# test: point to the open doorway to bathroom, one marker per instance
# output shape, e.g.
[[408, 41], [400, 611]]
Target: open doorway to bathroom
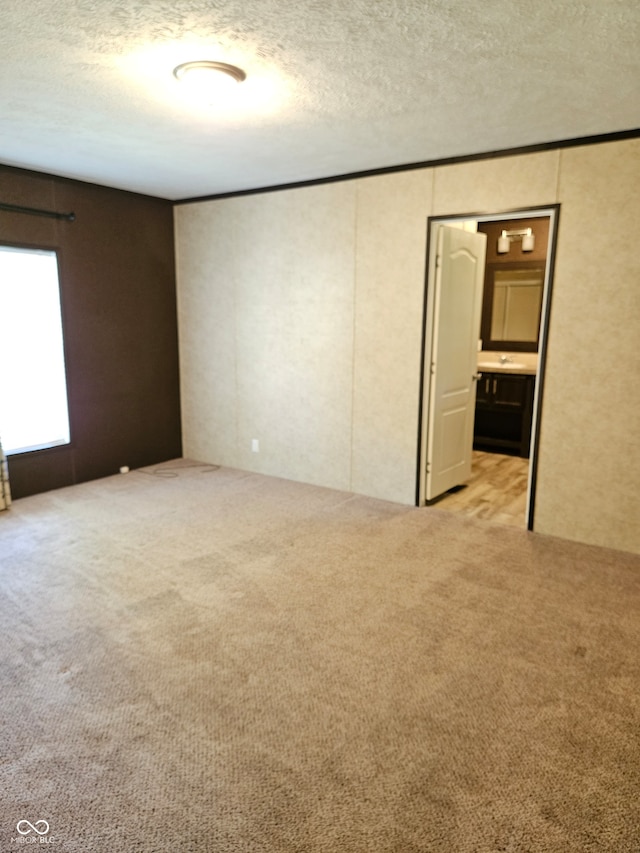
[[508, 382]]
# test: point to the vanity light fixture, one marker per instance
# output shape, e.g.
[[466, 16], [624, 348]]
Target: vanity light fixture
[[203, 73], [525, 234]]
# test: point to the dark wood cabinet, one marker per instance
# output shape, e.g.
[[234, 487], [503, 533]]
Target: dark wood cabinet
[[504, 407]]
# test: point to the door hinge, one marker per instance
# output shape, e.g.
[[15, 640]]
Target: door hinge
[[438, 261], [433, 368]]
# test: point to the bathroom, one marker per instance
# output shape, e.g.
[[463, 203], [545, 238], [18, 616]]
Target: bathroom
[[509, 333]]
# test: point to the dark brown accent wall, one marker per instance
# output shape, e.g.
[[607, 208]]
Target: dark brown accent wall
[[118, 291], [540, 228], [514, 258]]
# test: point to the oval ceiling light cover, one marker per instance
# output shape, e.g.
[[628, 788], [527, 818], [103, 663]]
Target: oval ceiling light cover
[[203, 68]]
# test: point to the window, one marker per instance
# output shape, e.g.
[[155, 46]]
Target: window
[[33, 391]]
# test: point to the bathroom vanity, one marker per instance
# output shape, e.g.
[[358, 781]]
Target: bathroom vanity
[[504, 406]]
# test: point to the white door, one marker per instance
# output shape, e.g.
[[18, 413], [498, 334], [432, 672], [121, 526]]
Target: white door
[[459, 280]]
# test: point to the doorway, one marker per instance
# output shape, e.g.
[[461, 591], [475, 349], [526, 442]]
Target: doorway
[[524, 357]]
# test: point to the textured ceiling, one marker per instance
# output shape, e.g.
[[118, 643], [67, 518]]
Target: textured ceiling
[[333, 86]]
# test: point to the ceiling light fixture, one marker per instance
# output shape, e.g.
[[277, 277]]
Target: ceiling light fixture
[[203, 70]]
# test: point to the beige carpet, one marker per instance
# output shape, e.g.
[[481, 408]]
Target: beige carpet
[[218, 661]]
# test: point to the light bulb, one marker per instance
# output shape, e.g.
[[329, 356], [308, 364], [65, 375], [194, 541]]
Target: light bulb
[[528, 241], [504, 243]]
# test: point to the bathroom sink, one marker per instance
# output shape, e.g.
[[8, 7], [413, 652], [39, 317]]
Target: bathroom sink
[[499, 365]]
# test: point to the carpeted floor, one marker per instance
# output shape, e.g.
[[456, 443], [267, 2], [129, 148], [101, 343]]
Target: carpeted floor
[[202, 659]]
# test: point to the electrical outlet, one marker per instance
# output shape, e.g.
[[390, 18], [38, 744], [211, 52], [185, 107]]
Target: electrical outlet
[[255, 445]]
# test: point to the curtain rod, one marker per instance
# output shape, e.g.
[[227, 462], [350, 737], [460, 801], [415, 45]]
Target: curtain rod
[[34, 211]]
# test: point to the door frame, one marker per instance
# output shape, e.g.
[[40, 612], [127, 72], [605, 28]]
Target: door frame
[[551, 210]]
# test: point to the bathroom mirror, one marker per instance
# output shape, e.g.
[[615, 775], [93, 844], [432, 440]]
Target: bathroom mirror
[[512, 305]]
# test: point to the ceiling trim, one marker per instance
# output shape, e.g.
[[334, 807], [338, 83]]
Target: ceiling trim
[[426, 164]]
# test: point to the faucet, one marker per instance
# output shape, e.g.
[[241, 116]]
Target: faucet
[[505, 359]]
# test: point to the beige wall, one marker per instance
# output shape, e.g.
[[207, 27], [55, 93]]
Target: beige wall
[[301, 319], [589, 478]]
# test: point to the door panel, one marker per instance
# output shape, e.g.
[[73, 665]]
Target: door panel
[[509, 391], [451, 437], [457, 306]]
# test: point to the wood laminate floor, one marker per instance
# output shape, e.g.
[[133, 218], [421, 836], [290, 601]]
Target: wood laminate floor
[[497, 490]]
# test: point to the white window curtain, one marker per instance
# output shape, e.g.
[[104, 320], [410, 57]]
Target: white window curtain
[[5, 494]]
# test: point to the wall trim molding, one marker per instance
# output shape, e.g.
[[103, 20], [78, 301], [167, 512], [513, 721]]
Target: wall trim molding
[[426, 164]]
